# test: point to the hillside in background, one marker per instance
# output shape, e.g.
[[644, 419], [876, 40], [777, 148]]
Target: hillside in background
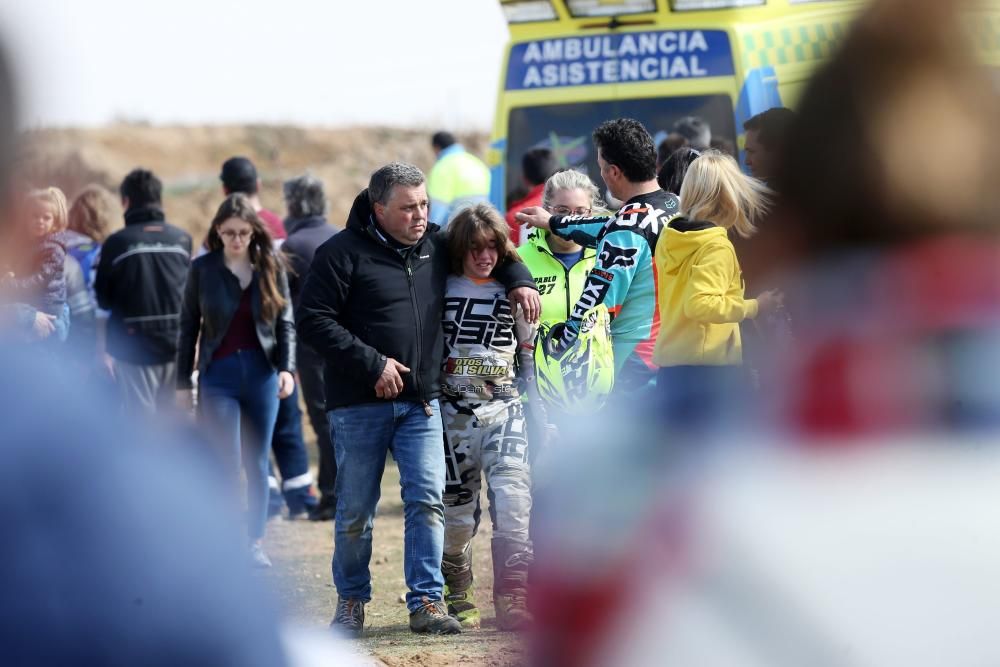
[[188, 159]]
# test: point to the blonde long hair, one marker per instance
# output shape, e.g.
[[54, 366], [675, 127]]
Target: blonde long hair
[[716, 191]]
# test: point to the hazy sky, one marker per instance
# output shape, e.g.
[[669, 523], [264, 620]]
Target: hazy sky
[[330, 62]]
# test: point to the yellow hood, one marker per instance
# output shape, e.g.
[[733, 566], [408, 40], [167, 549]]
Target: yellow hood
[[680, 246]]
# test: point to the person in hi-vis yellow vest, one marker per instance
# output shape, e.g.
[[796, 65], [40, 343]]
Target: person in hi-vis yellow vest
[[457, 180], [560, 266]]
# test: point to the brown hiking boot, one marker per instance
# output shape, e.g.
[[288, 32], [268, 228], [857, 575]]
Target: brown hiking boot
[[431, 617], [512, 611], [349, 619]]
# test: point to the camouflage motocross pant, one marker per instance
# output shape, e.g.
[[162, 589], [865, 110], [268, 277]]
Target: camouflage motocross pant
[[497, 446]]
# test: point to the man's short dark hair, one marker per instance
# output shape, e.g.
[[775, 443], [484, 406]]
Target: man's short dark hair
[[239, 175], [625, 143], [142, 188], [441, 140], [538, 164], [772, 127]]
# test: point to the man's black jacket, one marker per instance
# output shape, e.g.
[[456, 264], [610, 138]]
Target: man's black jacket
[[364, 301], [140, 279], [305, 235]]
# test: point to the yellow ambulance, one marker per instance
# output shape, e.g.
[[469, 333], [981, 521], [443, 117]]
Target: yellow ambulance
[[572, 64]]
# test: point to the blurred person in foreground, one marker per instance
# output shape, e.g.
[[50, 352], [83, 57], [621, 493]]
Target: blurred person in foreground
[[457, 180], [372, 306], [307, 229], [889, 250], [238, 314], [852, 524], [93, 580], [537, 165], [140, 282]]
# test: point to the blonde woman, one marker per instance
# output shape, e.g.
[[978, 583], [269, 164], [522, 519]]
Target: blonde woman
[[700, 291]]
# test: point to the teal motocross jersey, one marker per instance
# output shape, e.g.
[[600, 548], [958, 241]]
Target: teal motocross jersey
[[624, 277]]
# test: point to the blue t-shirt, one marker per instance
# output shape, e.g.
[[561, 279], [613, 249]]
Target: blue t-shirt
[[568, 259]]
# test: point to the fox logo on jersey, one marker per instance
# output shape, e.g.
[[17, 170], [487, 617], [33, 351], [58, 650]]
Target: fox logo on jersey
[[613, 256]]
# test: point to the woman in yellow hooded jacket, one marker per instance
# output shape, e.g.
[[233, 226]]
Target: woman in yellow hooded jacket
[[700, 291]]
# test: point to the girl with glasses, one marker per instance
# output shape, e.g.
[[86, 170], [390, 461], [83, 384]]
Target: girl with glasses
[[237, 299]]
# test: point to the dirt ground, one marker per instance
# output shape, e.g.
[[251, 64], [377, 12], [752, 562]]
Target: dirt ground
[[301, 579]]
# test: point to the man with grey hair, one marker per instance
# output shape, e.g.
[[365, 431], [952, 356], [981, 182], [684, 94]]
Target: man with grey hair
[[371, 306], [308, 229]]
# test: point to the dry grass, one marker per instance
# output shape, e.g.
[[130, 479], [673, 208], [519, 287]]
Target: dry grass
[[187, 159]]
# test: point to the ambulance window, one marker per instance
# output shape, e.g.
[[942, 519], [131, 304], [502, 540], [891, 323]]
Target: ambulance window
[[588, 8], [527, 11], [565, 129], [695, 5]]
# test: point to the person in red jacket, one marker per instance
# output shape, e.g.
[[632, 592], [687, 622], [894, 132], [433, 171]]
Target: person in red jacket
[[536, 167]]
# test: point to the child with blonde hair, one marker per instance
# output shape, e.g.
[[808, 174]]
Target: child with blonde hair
[[35, 277]]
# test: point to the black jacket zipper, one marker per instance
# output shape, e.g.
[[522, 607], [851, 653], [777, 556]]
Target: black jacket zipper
[[416, 315], [565, 274], [405, 258]]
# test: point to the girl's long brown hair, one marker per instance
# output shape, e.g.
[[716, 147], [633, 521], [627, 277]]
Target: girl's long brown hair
[[265, 261], [475, 225]]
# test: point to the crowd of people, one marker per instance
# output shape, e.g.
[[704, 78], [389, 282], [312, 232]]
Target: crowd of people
[[426, 332], [553, 367]]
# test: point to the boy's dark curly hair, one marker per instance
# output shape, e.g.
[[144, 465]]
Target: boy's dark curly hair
[[625, 143]]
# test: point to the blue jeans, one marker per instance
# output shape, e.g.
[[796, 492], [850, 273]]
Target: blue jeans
[[362, 436], [238, 399], [703, 399]]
